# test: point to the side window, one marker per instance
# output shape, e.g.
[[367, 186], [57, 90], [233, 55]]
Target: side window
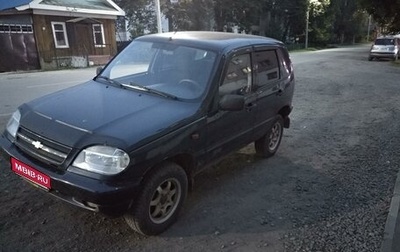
[[267, 66], [238, 78], [60, 35]]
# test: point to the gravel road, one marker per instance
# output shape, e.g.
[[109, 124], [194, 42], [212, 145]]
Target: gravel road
[[327, 189], [346, 126]]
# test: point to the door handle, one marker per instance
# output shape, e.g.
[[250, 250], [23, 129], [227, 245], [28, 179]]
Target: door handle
[[250, 106]]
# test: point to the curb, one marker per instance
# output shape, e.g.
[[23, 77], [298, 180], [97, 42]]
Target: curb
[[392, 219]]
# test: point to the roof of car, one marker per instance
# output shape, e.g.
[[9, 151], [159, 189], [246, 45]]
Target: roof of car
[[212, 40], [387, 37]]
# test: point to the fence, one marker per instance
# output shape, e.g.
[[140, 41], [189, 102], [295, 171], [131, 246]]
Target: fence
[[75, 57]]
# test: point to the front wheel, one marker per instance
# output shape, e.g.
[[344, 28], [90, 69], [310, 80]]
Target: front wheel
[[158, 205], [267, 145]]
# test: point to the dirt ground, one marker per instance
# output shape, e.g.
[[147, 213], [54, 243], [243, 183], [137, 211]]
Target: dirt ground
[[327, 189]]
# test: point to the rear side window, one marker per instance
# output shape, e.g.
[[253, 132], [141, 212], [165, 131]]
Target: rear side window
[[286, 62], [267, 66]]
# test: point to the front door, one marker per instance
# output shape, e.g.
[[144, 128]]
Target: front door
[[84, 38], [229, 130]]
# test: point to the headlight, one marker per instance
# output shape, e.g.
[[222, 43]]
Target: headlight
[[102, 159], [13, 123]]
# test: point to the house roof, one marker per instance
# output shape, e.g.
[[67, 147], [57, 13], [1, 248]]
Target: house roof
[[65, 7], [4, 5], [83, 4]]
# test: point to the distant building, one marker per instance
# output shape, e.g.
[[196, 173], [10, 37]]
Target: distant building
[[49, 34]]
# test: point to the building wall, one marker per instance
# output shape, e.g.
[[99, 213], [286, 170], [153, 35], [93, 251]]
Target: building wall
[[81, 49]]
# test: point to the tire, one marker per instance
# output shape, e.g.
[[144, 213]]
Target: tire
[[370, 58], [267, 145], [158, 205]]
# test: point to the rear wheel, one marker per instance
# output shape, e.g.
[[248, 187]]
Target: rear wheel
[[160, 201], [267, 145]]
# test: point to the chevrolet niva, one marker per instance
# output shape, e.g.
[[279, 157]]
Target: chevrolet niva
[[129, 142]]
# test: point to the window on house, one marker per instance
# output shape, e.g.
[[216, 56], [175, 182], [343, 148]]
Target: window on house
[[60, 35], [98, 35], [15, 28]]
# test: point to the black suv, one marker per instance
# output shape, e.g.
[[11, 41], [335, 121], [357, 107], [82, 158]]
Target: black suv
[[130, 141]]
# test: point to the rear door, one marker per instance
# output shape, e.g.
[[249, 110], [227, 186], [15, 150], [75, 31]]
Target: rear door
[[267, 86]]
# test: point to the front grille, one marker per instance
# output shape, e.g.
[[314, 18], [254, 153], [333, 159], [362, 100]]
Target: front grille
[[41, 148]]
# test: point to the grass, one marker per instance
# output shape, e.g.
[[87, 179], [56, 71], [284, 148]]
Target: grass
[[396, 63]]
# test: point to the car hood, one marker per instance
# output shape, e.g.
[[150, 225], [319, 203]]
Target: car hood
[[95, 113]]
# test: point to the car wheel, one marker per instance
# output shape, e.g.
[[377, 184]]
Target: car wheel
[[370, 58], [157, 207], [267, 145]]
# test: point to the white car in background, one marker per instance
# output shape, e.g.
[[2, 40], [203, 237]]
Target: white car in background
[[385, 47]]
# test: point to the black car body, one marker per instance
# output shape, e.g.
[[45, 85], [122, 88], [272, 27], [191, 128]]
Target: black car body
[[131, 140]]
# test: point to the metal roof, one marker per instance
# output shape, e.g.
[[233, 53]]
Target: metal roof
[[211, 40], [84, 4], [4, 5], [105, 7]]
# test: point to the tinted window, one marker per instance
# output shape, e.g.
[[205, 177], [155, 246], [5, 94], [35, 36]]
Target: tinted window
[[267, 66], [286, 62], [238, 76]]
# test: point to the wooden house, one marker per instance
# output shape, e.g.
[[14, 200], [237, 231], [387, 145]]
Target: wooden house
[[49, 34]]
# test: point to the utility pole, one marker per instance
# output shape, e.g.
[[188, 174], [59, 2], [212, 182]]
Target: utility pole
[[369, 27], [307, 20], [158, 13]]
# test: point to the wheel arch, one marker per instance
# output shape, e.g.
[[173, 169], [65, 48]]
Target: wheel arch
[[284, 112], [184, 160]]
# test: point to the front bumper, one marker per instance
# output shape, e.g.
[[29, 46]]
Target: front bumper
[[112, 198]]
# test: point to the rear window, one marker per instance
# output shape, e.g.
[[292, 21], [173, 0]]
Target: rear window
[[384, 41]]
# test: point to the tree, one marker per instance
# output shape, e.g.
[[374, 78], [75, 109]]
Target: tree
[[277, 19], [140, 15], [385, 12], [189, 14], [330, 21]]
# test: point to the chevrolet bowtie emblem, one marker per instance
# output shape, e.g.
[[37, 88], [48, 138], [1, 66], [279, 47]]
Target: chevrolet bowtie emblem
[[37, 144]]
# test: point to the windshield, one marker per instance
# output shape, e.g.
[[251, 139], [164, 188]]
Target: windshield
[[176, 70]]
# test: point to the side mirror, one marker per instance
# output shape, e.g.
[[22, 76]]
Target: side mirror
[[98, 70], [231, 102]]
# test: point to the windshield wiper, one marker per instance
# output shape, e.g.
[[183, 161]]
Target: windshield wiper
[[137, 87], [150, 90], [111, 81]]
